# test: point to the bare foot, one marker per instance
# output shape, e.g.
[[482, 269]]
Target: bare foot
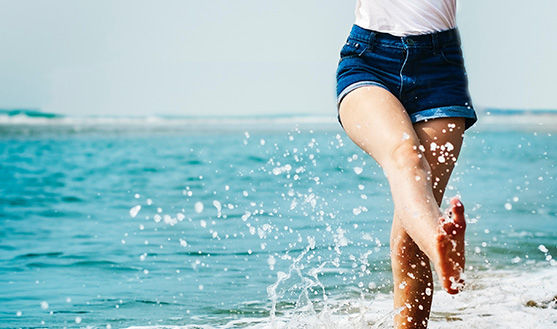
[[451, 248]]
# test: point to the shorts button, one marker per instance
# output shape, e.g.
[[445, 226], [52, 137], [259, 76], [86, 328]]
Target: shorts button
[[410, 42]]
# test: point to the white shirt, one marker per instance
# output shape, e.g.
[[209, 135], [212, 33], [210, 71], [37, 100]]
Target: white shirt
[[406, 17]]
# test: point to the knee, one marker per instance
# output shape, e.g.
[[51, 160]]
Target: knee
[[408, 156]]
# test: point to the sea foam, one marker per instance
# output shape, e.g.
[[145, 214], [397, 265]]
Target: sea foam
[[492, 299]]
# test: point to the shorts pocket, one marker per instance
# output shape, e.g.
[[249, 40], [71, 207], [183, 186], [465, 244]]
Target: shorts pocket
[[351, 48], [453, 55]]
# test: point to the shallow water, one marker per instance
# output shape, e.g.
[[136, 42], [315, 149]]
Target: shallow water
[[249, 226]]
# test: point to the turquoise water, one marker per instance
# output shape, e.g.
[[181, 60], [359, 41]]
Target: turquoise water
[[238, 225]]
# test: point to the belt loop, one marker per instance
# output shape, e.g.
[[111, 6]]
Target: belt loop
[[369, 45], [371, 40], [435, 43]]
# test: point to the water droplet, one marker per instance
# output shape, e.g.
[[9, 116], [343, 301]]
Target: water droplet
[[358, 170], [217, 205], [198, 207], [169, 220], [271, 261], [508, 206], [134, 211]]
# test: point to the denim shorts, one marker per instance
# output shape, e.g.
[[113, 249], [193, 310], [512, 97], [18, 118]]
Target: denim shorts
[[425, 72]]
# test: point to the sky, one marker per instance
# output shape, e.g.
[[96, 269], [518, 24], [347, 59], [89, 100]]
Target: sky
[[240, 57]]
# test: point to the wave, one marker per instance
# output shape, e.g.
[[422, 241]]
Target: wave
[[25, 113], [493, 299], [517, 119], [503, 111], [29, 118], [22, 119]]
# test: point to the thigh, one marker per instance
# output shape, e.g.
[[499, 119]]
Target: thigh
[[441, 140], [378, 123]]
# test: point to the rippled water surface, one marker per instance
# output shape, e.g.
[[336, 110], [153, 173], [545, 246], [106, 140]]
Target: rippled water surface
[[131, 226]]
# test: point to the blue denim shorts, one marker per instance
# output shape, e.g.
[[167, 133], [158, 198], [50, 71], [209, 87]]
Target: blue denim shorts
[[425, 72]]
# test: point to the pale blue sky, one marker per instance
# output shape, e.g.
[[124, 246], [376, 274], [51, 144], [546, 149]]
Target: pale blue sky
[[240, 57]]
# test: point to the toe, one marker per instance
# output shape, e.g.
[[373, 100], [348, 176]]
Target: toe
[[458, 211]]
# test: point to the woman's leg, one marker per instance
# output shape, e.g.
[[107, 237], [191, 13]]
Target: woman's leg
[[376, 121], [442, 140]]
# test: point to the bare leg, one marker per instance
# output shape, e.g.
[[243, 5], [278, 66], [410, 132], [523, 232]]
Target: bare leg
[[411, 270], [376, 121], [412, 278], [442, 139]]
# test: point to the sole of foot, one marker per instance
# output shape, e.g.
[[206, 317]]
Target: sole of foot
[[450, 243]]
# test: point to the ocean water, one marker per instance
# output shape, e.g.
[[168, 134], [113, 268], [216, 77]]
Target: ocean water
[[260, 223]]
